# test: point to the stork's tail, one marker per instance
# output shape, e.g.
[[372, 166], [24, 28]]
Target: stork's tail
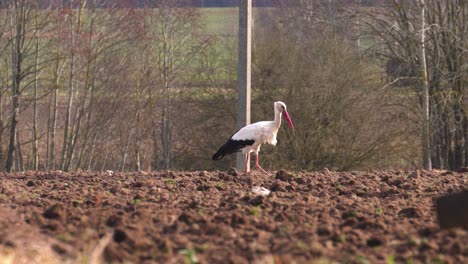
[[218, 155]]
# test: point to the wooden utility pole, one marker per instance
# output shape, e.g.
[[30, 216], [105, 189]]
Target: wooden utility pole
[[243, 70]]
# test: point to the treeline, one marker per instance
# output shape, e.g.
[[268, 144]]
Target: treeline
[[145, 89], [424, 44], [147, 3]]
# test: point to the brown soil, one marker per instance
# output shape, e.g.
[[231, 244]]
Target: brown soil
[[212, 217]]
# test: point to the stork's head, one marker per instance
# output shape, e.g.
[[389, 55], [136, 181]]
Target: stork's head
[[281, 107]]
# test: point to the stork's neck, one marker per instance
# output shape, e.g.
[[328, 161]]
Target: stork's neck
[[277, 121]]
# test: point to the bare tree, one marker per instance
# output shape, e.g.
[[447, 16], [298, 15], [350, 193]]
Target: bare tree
[[75, 29], [4, 74], [21, 17], [178, 38], [426, 136], [58, 67], [441, 48]]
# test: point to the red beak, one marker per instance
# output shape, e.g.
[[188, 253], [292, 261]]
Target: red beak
[[288, 119]]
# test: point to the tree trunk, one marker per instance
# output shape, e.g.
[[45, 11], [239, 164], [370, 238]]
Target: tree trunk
[[2, 126], [125, 152], [53, 102], [155, 156], [165, 139], [459, 155], [82, 106], [106, 149], [446, 140], [15, 88], [91, 154], [12, 144], [137, 157], [426, 136], [34, 128], [19, 154], [71, 80], [465, 129], [138, 139]]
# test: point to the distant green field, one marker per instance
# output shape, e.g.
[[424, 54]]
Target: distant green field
[[220, 21], [225, 21]]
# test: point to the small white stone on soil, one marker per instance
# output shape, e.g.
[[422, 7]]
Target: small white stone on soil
[[260, 190]]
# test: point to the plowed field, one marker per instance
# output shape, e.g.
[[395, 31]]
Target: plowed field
[[213, 217]]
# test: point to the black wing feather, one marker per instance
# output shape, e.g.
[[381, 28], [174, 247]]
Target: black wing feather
[[232, 146]]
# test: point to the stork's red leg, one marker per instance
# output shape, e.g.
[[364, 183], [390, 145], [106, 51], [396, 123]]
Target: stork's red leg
[[258, 165], [247, 161]]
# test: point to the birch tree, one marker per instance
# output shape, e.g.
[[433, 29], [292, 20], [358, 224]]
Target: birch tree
[[426, 136], [424, 46], [178, 39], [21, 18], [58, 62], [75, 29]]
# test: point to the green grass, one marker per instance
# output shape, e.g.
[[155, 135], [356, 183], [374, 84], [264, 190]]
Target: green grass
[[190, 256], [378, 210], [256, 211], [220, 21], [136, 202], [225, 21], [170, 181]]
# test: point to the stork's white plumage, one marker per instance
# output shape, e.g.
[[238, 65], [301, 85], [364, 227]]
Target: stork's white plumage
[[249, 138]]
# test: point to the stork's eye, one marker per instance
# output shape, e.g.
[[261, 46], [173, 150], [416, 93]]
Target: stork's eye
[[282, 107]]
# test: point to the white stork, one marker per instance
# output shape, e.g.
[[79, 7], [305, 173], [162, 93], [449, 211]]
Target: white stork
[[249, 138]]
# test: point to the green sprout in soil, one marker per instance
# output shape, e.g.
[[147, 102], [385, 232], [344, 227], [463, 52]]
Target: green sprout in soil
[[256, 211], [170, 181], [77, 203], [220, 184], [324, 261], [437, 260], [363, 260], [301, 245], [378, 210], [136, 202], [200, 212], [283, 231], [338, 186], [64, 236], [350, 214], [190, 255], [391, 259], [295, 176], [339, 238]]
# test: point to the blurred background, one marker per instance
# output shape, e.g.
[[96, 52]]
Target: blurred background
[[151, 85]]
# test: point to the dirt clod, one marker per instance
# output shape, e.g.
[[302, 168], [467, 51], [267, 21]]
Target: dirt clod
[[233, 172], [119, 236], [30, 183], [410, 212], [283, 175], [415, 175], [56, 211], [114, 220], [257, 200], [374, 242]]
